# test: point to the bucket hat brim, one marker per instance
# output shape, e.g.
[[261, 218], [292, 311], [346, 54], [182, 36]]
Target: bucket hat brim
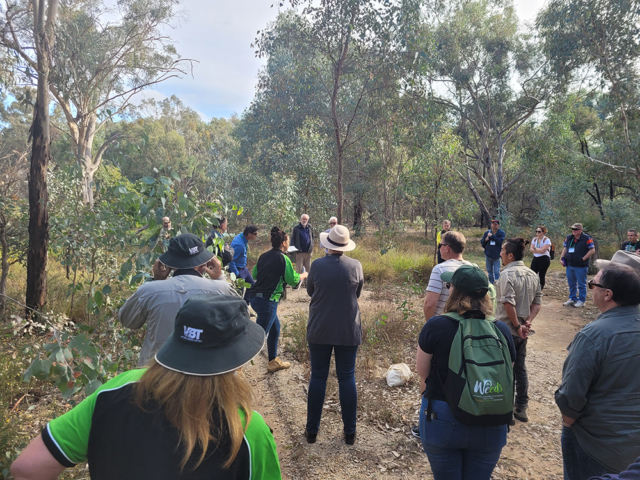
[[324, 240], [171, 260], [206, 362]]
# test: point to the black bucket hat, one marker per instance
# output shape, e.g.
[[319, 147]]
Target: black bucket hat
[[185, 251], [212, 335], [469, 279]]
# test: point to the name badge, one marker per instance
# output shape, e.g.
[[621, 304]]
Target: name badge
[[572, 250], [492, 243]]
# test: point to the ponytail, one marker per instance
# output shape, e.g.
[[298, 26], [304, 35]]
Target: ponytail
[[516, 247], [278, 237]]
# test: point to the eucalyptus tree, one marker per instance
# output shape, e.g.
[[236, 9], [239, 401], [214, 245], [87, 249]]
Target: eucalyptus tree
[[336, 52], [490, 76], [35, 23], [98, 65], [602, 38]]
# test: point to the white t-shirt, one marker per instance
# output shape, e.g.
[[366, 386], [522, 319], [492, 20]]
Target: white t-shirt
[[539, 244], [438, 286]]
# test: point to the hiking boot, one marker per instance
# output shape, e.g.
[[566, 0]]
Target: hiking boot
[[578, 304], [350, 438], [521, 414], [569, 303], [311, 437], [277, 364], [415, 431]]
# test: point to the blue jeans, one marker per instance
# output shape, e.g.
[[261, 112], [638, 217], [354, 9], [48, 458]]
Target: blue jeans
[[493, 268], [577, 280], [245, 274], [345, 370], [457, 451], [576, 463], [268, 319]]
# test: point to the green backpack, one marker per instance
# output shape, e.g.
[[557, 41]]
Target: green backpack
[[479, 387]]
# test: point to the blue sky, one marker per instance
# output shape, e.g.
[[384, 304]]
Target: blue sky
[[218, 34]]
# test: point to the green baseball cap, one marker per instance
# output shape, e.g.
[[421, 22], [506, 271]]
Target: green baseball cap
[[469, 279]]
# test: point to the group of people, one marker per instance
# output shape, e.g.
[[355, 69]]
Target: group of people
[[190, 390]]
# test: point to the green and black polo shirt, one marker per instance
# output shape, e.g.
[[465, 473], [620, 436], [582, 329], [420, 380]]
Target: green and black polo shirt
[[272, 272], [123, 442]]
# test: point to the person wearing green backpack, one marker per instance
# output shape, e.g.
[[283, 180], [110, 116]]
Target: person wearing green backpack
[[465, 363]]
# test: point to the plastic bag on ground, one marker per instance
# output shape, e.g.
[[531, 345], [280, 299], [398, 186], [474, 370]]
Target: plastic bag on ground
[[398, 374]]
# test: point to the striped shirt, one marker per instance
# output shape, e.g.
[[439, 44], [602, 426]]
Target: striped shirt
[[437, 285]]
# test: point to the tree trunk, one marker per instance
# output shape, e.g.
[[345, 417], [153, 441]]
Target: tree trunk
[[5, 269], [36, 294], [357, 213]]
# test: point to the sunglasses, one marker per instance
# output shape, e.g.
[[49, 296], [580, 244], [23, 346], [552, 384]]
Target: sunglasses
[[592, 284], [538, 231], [576, 229], [448, 285], [444, 245]]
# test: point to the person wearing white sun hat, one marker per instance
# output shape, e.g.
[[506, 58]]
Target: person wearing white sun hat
[[334, 284]]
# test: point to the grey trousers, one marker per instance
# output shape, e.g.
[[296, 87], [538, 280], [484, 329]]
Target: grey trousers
[[303, 260]]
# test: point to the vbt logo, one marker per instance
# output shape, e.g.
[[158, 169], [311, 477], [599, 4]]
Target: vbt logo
[[485, 387], [192, 334]]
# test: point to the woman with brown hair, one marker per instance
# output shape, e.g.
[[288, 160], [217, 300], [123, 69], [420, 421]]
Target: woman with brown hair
[[541, 249], [188, 416], [455, 449]]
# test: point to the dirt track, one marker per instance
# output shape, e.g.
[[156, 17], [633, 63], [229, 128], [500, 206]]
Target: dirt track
[[389, 451]]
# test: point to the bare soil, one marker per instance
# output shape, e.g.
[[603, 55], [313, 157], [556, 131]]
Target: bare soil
[[384, 446]]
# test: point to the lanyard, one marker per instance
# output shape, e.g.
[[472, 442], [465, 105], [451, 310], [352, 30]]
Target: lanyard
[[573, 241], [538, 244]]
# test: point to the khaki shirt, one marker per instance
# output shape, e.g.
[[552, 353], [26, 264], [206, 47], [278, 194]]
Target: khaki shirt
[[519, 286]]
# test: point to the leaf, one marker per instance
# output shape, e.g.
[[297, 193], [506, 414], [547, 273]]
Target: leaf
[[98, 298], [240, 210], [106, 290], [175, 176], [92, 387], [148, 180]]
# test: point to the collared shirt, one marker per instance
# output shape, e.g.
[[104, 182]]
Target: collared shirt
[[157, 303], [580, 248], [493, 251], [601, 387], [519, 286], [239, 245]]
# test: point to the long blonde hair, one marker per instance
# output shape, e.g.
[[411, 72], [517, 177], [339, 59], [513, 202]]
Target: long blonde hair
[[460, 302], [188, 402]]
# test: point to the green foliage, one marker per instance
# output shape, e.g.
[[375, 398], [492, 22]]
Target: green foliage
[[621, 214]]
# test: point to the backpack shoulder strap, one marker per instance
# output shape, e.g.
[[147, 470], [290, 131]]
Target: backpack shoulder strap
[[454, 316]]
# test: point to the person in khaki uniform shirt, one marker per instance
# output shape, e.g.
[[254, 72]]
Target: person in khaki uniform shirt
[[519, 300]]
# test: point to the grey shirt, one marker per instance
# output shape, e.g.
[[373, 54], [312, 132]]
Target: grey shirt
[[157, 303], [601, 387], [334, 285]]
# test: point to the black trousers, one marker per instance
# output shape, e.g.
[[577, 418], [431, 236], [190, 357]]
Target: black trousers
[[520, 372], [540, 265]]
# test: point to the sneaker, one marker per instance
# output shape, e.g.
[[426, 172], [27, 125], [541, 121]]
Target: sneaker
[[277, 364], [415, 431], [512, 422], [521, 414], [569, 303], [578, 304]]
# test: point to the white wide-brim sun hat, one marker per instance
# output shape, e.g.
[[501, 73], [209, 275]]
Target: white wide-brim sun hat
[[337, 239], [626, 258]]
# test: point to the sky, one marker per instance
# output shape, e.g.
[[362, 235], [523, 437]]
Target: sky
[[218, 33]]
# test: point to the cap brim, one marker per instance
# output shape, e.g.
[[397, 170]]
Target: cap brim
[[324, 240], [175, 261], [181, 358], [447, 276]]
